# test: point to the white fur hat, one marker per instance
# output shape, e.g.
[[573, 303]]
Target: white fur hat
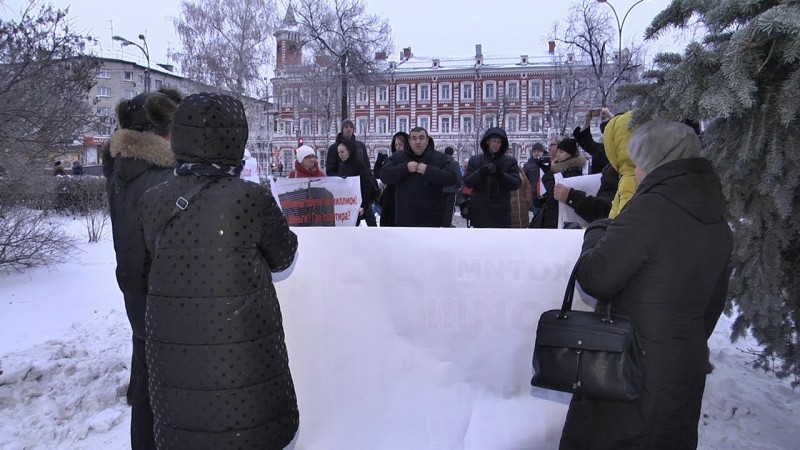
[[304, 151]]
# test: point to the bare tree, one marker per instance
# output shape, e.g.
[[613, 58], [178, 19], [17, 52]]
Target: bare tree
[[227, 44], [45, 81], [28, 239], [590, 34], [342, 33], [570, 87]]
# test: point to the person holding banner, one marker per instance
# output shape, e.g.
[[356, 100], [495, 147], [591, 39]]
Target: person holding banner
[[351, 166], [420, 174], [219, 369], [567, 161], [306, 164]]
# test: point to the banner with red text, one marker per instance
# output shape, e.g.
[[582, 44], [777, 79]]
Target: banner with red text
[[321, 202]]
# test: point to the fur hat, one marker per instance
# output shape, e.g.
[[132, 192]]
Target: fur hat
[[537, 147], [660, 141], [151, 111], [569, 146], [346, 122], [305, 151]]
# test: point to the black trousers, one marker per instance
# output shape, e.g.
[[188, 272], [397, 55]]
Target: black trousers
[[369, 216], [142, 437], [449, 208]]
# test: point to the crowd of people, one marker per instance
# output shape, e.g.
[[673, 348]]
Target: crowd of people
[[196, 245]]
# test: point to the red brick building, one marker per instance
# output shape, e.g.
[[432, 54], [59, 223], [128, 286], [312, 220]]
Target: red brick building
[[455, 99]]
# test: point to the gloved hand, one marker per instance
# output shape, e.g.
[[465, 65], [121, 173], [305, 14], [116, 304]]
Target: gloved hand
[[489, 168]]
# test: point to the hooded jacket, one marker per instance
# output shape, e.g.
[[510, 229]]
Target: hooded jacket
[[664, 263], [387, 199], [135, 162], [615, 140], [332, 160], [219, 370], [419, 198], [490, 201]]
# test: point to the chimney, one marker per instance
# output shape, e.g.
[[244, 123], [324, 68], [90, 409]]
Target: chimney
[[551, 47], [523, 60], [435, 63], [381, 56], [478, 51], [406, 52]]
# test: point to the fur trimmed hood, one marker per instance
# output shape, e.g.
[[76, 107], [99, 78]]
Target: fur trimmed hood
[[143, 145], [576, 162]]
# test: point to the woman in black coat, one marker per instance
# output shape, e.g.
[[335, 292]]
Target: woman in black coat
[[399, 143], [350, 166], [567, 161], [663, 262], [219, 370]]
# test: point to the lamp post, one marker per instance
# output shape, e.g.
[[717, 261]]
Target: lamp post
[[620, 25], [124, 42]]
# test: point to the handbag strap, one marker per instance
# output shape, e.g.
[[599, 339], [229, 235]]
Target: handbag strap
[[181, 204], [566, 305]]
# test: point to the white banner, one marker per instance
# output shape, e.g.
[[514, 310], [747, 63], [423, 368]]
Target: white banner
[[250, 170], [404, 338], [328, 201], [586, 183]]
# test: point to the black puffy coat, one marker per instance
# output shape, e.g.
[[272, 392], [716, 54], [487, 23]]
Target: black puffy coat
[[219, 370], [355, 167], [419, 198], [548, 215], [490, 201], [137, 161], [664, 263], [332, 159]]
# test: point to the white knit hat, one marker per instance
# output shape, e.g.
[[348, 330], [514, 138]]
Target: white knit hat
[[304, 151]]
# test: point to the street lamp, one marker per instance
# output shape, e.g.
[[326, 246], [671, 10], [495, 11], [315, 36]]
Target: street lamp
[[619, 30], [124, 42]]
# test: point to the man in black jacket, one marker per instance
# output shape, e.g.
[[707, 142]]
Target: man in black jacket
[[332, 161], [420, 174], [492, 176], [139, 157]]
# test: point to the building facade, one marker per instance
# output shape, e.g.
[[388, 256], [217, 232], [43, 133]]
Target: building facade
[[455, 99], [120, 78]]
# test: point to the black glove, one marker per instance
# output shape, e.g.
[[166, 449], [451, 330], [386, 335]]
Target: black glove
[[489, 168]]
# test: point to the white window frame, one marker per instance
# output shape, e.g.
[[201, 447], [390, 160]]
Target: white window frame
[[486, 90], [382, 125], [382, 94], [402, 124], [323, 126], [362, 126], [424, 122], [287, 97], [362, 95], [128, 75], [445, 124], [426, 89], [305, 96], [515, 95], [488, 121], [512, 119], [535, 122], [471, 90], [535, 89], [129, 94], [159, 84], [403, 89], [103, 91], [103, 72], [445, 88], [305, 127], [555, 86], [467, 119]]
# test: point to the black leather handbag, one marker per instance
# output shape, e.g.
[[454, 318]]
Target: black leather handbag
[[587, 353]]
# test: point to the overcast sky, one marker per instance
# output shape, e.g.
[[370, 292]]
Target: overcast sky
[[435, 28]]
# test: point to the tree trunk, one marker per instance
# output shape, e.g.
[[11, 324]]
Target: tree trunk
[[343, 73]]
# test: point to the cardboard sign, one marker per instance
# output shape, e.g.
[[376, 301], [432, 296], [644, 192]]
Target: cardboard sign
[[322, 202]]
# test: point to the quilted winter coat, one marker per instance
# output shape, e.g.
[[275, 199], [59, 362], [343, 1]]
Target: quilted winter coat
[[615, 139], [219, 370]]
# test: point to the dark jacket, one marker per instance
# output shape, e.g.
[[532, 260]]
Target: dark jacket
[[219, 370], [419, 198], [547, 217], [664, 263], [590, 207], [355, 167], [491, 198], [332, 160], [136, 161], [595, 149], [387, 198]]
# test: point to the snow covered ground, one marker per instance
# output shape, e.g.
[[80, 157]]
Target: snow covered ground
[[64, 356]]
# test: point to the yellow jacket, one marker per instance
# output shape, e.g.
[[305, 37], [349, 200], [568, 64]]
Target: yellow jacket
[[615, 140]]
